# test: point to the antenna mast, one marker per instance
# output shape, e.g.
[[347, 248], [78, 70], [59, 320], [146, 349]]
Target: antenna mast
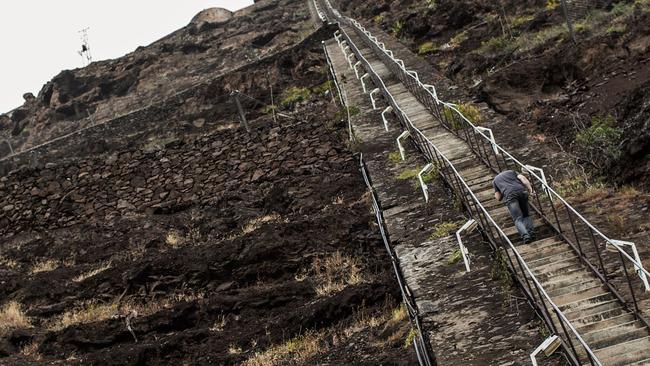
[[85, 54]]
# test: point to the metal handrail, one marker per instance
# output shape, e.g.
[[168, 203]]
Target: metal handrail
[[423, 352], [501, 149], [434, 107], [463, 191], [319, 12]]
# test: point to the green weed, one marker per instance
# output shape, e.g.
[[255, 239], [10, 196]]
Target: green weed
[[426, 48], [294, 95], [552, 4], [454, 257], [324, 87], [395, 156], [444, 229], [458, 39], [397, 28], [600, 141], [500, 45], [408, 342], [408, 174], [500, 272], [520, 20]]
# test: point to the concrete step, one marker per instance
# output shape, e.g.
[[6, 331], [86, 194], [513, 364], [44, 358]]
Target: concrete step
[[551, 276], [536, 245], [625, 353], [645, 362], [587, 302], [560, 255], [592, 309], [615, 334], [479, 182], [559, 268], [604, 322], [579, 295], [551, 248], [566, 280], [574, 287], [599, 317]]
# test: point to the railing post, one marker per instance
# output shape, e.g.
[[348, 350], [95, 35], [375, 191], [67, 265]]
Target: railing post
[[638, 268], [372, 99], [350, 58], [490, 137], [383, 116], [356, 72], [363, 83], [423, 184], [468, 227], [399, 143], [242, 115]]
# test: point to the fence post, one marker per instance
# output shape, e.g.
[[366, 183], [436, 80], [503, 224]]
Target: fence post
[[567, 16], [11, 149], [242, 116]]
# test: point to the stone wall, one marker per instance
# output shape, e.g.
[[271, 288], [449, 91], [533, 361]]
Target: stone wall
[[137, 182]]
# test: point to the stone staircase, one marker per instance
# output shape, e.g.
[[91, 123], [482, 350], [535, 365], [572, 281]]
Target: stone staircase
[[607, 326]]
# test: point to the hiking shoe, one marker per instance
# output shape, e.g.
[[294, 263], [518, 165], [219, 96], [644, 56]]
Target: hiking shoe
[[527, 239]]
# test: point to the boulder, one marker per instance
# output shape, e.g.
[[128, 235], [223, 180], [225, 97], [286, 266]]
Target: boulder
[[212, 15]]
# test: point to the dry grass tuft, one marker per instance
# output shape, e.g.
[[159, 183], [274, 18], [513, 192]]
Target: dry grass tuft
[[45, 266], [219, 325], [629, 192], [234, 349], [153, 307], [93, 311], [88, 312], [255, 224], [332, 274], [31, 351], [8, 262], [93, 272], [295, 351], [12, 317], [174, 238], [399, 314]]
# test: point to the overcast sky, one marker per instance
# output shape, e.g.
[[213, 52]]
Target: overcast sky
[[39, 38]]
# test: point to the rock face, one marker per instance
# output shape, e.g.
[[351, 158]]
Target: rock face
[[210, 45], [212, 15]]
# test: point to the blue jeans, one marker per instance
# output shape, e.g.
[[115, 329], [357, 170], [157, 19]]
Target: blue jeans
[[517, 203]]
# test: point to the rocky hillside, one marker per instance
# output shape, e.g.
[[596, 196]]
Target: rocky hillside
[[176, 237], [212, 44], [518, 57]]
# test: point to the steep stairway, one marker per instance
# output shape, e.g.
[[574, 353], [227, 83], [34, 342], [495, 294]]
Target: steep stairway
[[607, 326]]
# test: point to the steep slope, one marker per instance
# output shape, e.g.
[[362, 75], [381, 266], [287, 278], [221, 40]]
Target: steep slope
[[204, 49], [178, 238], [518, 57]]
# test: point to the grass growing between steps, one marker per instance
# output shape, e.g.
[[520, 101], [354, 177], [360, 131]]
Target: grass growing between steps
[[408, 174], [454, 257], [394, 157], [443, 229]]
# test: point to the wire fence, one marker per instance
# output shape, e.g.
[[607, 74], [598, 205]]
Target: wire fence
[[421, 341], [574, 10]]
